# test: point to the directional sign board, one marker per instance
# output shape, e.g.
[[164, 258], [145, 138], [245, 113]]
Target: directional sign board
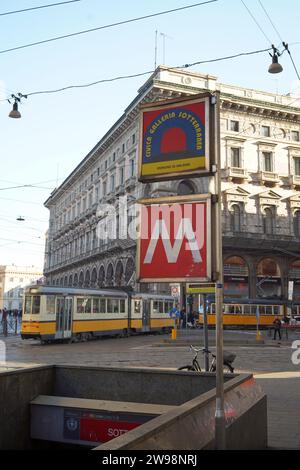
[[200, 288], [175, 243], [174, 139]]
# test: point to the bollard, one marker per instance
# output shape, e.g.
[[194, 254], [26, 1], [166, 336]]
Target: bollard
[[174, 334], [258, 336]]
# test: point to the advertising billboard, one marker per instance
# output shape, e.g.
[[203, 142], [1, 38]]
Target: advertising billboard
[[174, 243], [174, 138]]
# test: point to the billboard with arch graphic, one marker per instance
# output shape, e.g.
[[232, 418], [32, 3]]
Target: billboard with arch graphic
[[175, 138]]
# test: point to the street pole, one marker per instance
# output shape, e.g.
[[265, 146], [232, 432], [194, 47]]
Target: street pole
[[205, 326], [220, 440]]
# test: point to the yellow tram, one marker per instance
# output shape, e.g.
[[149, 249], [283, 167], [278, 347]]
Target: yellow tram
[[244, 314], [62, 313]]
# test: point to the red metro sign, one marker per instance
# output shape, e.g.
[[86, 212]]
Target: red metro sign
[[174, 242]]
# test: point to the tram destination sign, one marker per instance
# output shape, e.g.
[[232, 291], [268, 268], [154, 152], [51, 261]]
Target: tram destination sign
[[174, 243], [175, 138]]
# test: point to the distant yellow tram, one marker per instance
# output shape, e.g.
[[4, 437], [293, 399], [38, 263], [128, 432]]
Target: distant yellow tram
[[62, 313], [253, 313]]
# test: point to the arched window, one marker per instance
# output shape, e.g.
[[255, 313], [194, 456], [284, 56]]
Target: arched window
[[94, 278], [81, 279], [268, 279], [297, 224], [87, 279], [101, 276], [75, 282], [236, 218], [268, 221], [129, 270], [70, 280], [110, 275], [119, 274], [185, 187]]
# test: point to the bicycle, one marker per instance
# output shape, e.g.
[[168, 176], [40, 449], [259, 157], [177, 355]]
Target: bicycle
[[228, 359]]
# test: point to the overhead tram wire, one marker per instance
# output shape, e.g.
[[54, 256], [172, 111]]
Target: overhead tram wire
[[272, 23], [119, 23], [148, 72], [38, 8], [256, 22]]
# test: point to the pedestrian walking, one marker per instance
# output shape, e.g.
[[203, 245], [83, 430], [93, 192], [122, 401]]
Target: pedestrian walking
[[183, 317], [277, 327], [4, 321]]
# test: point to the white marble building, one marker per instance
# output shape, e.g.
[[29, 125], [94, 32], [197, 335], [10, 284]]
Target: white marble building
[[260, 153]]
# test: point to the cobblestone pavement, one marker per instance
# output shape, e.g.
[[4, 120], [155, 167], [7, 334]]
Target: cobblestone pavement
[[271, 363]]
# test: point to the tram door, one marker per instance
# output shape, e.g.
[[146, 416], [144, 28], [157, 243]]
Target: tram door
[[64, 309], [146, 315]]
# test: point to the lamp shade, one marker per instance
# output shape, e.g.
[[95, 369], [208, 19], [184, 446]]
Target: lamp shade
[[14, 112], [275, 67]]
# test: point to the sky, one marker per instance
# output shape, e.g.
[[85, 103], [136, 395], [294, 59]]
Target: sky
[[57, 130]]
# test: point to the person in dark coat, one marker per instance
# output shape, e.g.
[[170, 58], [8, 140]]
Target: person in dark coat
[[277, 327]]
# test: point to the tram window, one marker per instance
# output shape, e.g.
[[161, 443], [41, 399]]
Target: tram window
[[262, 310], [276, 309], [88, 306], [50, 304], [36, 300], [155, 306], [247, 309], [102, 305], [122, 306], [170, 306], [96, 305], [28, 304], [137, 306], [115, 305], [269, 310], [81, 303], [161, 307], [166, 307], [112, 306]]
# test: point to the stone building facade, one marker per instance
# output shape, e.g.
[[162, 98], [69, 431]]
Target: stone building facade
[[260, 157], [13, 280]]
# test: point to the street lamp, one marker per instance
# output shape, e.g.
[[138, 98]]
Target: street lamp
[[275, 67], [15, 113]]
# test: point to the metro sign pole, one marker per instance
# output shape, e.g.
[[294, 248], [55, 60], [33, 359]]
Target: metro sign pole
[[220, 438], [181, 238]]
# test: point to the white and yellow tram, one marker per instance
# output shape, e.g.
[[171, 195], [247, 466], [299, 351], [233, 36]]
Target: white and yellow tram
[[62, 313]]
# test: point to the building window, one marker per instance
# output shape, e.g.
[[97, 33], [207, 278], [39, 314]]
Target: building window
[[265, 131], [104, 188], [133, 139], [297, 224], [297, 166], [114, 156], [112, 183], [295, 136], [236, 218], [234, 126], [122, 175], [105, 165], [123, 148], [268, 221], [267, 161], [131, 168], [236, 157], [185, 188]]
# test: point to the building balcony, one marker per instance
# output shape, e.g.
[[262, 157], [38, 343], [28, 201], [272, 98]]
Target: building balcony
[[268, 177], [236, 172], [294, 180]]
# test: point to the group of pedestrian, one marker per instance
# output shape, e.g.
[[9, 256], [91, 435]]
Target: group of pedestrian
[[183, 319]]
